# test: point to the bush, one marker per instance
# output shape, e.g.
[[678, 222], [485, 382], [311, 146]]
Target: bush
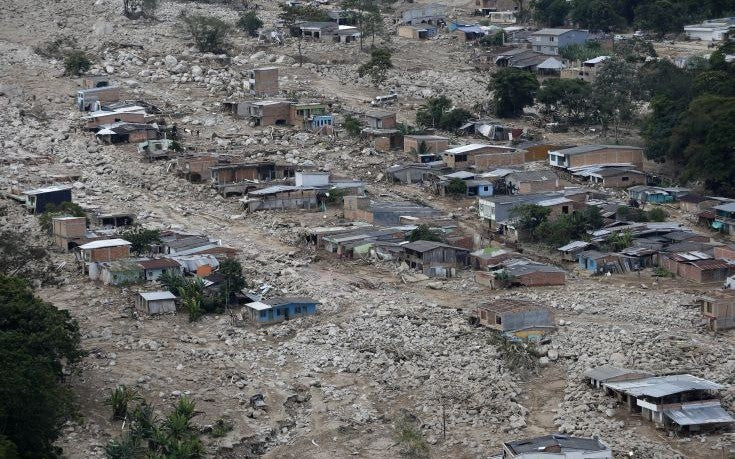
[[76, 63], [119, 400], [141, 239], [657, 214], [378, 65], [250, 23], [352, 126], [65, 209], [424, 232], [221, 428], [409, 436], [457, 187], [210, 33]]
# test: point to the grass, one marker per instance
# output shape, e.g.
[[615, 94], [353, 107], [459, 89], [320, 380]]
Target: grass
[[410, 438]]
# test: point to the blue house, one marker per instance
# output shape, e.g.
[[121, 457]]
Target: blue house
[[643, 193], [278, 309], [598, 262], [37, 200]]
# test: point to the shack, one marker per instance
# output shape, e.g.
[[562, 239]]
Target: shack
[[279, 309], [522, 319], [37, 200], [425, 256], [156, 302]]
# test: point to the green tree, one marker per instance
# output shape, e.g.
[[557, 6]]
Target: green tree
[[528, 217], [352, 126], [292, 15], [39, 344], [657, 214], [378, 65], [570, 99], [616, 90], [581, 52], [367, 15], [457, 187], [423, 149], [234, 281], [172, 281], [210, 33], [513, 89], [141, 239], [250, 23], [424, 232], [597, 15], [618, 241], [568, 227], [76, 63], [431, 112], [191, 293], [660, 16], [551, 13], [65, 209]]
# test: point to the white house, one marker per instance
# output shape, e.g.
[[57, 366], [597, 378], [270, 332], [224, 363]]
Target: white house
[[711, 30]]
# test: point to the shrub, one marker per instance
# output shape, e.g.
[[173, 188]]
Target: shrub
[[457, 187], [410, 437], [210, 33], [76, 63], [119, 400], [657, 214], [65, 209], [352, 125], [424, 232], [378, 65], [250, 23], [221, 428]]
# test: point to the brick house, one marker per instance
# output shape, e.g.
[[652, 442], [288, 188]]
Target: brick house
[[589, 155], [434, 143], [718, 309], [263, 81], [520, 318], [68, 232]]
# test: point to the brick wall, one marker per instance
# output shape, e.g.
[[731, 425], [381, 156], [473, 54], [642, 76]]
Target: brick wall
[[110, 253], [490, 160], [607, 156], [434, 146], [542, 278]]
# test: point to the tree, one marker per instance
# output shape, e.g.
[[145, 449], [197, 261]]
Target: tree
[[21, 257], [513, 89], [570, 98], [657, 214], [568, 227], [38, 345], [234, 281], [424, 232], [141, 239], [76, 63], [615, 91], [436, 112], [378, 65], [367, 15], [135, 9], [581, 52], [597, 15], [172, 281], [291, 15], [352, 126], [457, 187], [551, 13], [250, 23], [618, 241], [529, 216], [65, 209], [191, 293], [209, 33]]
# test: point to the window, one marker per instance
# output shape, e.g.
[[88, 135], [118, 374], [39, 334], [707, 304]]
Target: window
[[498, 320], [625, 179], [709, 307], [565, 209], [551, 38], [297, 310], [262, 314]]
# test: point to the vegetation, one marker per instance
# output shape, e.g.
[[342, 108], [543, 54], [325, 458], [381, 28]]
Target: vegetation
[[291, 15], [210, 33], [250, 23], [65, 209], [618, 241], [532, 222], [221, 428], [436, 112], [191, 293], [581, 52], [21, 258], [119, 400], [550, 13], [497, 39], [76, 63], [233, 281], [409, 436], [570, 100], [141, 239], [367, 15], [457, 187], [352, 126], [423, 149], [634, 214], [615, 91], [39, 344], [424, 232], [378, 65], [135, 9], [513, 89], [147, 436], [528, 217]]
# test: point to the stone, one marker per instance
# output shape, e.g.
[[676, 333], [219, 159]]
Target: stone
[[170, 61]]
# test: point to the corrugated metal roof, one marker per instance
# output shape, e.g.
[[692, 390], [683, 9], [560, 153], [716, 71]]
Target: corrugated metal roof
[[710, 412], [573, 246], [104, 243], [153, 296], [662, 386], [606, 372]]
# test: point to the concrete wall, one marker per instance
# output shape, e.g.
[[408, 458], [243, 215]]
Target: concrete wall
[[491, 160], [266, 81], [434, 146], [542, 278], [608, 156]]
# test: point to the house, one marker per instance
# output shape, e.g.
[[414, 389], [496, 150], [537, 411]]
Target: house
[[124, 132], [104, 250], [196, 167], [317, 30], [718, 309], [504, 17], [522, 319], [610, 176], [155, 302], [538, 150], [125, 113], [69, 232], [263, 81], [414, 172], [499, 157], [472, 32], [725, 218], [489, 257], [464, 156], [36, 200], [711, 30], [698, 267], [473, 186], [311, 116], [91, 99], [539, 63], [238, 178], [281, 197], [555, 446], [550, 41], [156, 148], [486, 7], [201, 264], [492, 129], [266, 112], [154, 267], [279, 309], [589, 155], [608, 373], [586, 70], [527, 182], [496, 210], [598, 262], [416, 32], [381, 119], [730, 283], [652, 194], [383, 212], [96, 81], [433, 258], [432, 143], [679, 402], [570, 251], [346, 34], [695, 203], [120, 272], [432, 13], [529, 273]]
